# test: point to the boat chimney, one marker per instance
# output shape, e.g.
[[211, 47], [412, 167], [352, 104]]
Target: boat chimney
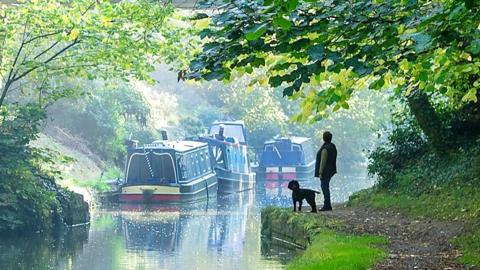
[[131, 143], [220, 131], [164, 135]]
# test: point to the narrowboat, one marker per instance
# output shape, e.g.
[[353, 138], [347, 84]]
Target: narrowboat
[[229, 156], [168, 171], [286, 159]]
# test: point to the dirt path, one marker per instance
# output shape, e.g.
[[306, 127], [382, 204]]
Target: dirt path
[[413, 243]]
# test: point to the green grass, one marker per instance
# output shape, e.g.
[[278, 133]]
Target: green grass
[[330, 250], [98, 184]]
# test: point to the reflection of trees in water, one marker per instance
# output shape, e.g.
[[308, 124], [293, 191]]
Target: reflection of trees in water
[[42, 250]]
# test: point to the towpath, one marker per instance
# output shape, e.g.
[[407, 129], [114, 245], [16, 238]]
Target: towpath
[[413, 243]]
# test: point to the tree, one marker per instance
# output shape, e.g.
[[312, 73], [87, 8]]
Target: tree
[[323, 51], [42, 41]]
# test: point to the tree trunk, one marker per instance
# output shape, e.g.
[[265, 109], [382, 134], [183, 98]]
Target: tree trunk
[[428, 119]]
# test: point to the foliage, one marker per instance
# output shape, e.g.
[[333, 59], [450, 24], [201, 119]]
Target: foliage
[[193, 126], [19, 171], [46, 40], [322, 51], [405, 144], [267, 114], [105, 117], [30, 200]]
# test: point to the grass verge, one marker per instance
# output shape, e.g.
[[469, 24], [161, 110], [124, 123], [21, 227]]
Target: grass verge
[[331, 250], [328, 249]]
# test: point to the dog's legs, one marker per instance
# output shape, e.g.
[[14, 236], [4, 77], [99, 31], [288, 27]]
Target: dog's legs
[[313, 205], [300, 206], [294, 206]]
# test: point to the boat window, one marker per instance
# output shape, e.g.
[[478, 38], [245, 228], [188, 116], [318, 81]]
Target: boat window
[[153, 168], [204, 161], [207, 160], [296, 147], [189, 165], [268, 147], [197, 164], [219, 155]]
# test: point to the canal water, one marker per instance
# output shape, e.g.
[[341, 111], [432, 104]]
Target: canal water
[[222, 233]]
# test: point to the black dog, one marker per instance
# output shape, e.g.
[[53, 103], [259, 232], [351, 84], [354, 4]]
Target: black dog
[[299, 194]]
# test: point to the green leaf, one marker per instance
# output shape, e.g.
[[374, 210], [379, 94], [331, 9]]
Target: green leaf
[[316, 52], [256, 32], [423, 76], [282, 23], [275, 81], [474, 47], [378, 84], [292, 5], [471, 95]]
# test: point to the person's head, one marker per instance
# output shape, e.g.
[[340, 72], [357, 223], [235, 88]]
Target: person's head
[[327, 137]]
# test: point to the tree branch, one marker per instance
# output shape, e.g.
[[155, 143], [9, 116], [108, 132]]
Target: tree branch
[[46, 50], [76, 41], [43, 36]]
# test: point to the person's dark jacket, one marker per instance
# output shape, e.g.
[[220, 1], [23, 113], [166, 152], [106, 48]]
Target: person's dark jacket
[[331, 164]]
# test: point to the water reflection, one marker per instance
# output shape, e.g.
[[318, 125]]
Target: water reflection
[[219, 234], [41, 251]]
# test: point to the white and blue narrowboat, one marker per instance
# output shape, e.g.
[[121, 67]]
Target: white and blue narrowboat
[[286, 159], [229, 155], [168, 171]]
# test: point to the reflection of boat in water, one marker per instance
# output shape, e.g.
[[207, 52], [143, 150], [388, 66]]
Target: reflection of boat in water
[[229, 228], [229, 154], [159, 231], [286, 159], [168, 171], [273, 193]]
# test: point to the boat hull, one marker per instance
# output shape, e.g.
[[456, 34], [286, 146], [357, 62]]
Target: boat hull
[[232, 182], [202, 189], [285, 173]]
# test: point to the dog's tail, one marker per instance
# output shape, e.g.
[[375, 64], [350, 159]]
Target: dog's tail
[[318, 192]]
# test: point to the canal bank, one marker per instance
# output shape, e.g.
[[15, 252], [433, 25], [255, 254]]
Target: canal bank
[[325, 243], [359, 236]]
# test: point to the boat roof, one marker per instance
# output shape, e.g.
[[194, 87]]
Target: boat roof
[[180, 146], [236, 122], [293, 139]]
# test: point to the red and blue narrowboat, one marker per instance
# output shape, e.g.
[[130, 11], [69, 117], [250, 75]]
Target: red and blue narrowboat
[[286, 159]]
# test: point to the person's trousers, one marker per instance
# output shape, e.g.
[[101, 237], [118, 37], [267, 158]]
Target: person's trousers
[[325, 184]]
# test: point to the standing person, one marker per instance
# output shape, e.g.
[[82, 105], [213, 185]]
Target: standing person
[[326, 167]]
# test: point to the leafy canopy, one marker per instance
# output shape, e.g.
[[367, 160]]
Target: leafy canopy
[[330, 48], [42, 41]]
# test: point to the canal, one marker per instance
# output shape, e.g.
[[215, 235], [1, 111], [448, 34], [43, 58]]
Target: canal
[[223, 233]]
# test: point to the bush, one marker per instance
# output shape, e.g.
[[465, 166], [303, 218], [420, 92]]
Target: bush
[[405, 145], [105, 119], [29, 197]]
